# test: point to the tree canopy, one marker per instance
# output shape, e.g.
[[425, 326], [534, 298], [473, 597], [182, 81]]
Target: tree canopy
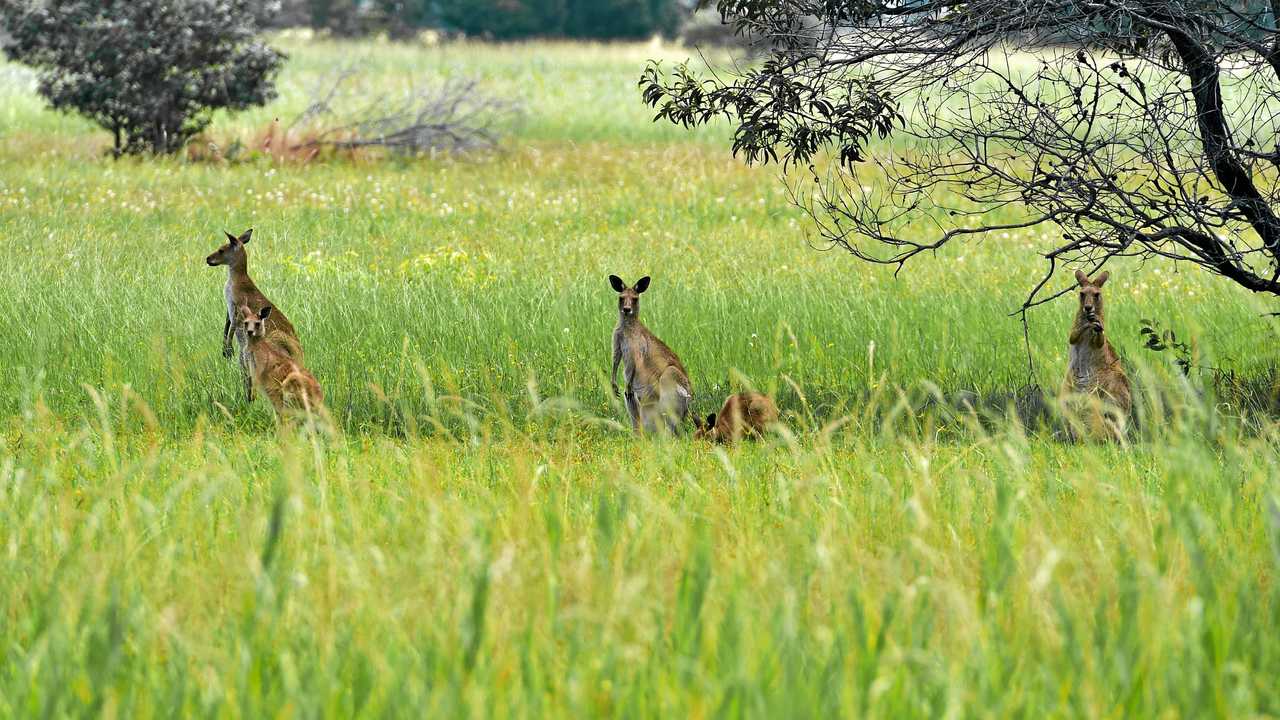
[[1135, 127], [496, 19]]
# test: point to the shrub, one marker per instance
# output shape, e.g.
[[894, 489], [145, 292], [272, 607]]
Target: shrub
[[504, 19], [280, 14], [341, 18], [619, 19], [705, 28], [149, 71], [595, 19]]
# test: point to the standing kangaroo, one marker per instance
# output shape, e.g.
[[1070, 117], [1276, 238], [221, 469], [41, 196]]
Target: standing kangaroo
[[657, 384], [241, 290], [747, 414], [1094, 369], [286, 383]]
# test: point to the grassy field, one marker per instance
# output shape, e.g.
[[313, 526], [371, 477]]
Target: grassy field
[[484, 537]]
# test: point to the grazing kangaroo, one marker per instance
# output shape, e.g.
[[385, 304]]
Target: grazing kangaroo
[[286, 383], [241, 290], [1094, 369], [746, 414], [657, 384]]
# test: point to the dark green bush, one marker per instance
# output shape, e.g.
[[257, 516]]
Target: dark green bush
[[586, 19], [149, 71]]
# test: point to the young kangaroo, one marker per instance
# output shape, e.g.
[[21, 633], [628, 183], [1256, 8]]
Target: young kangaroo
[[657, 384], [1094, 369], [746, 414], [286, 383], [241, 290]]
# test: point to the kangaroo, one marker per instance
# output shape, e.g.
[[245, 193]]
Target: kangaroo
[[1094, 369], [657, 384], [746, 414], [286, 383], [241, 290]]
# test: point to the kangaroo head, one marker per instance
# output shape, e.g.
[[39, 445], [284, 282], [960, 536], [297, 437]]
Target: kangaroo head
[[1091, 293], [629, 297], [233, 252], [254, 324], [706, 431]]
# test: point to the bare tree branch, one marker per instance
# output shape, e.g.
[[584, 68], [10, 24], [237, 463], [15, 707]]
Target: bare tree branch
[[1137, 128], [453, 117]]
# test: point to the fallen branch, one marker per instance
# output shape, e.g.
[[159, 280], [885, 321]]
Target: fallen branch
[[455, 117]]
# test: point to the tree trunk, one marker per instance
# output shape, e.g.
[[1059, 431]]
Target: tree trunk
[[1215, 137]]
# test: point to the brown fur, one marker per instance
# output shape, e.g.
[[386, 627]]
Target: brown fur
[[657, 386], [287, 384], [1094, 370], [745, 415], [241, 290]]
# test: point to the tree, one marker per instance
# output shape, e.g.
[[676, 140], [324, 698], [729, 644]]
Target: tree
[[1153, 133], [403, 19], [619, 19], [594, 19], [149, 71], [278, 14], [504, 19], [342, 18]]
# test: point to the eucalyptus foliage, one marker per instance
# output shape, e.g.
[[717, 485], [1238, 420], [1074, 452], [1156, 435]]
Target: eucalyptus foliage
[[1141, 128]]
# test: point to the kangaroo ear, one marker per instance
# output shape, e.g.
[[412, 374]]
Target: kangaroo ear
[[616, 282], [231, 238], [1082, 278], [244, 239], [1102, 279], [642, 284], [711, 421], [265, 312]]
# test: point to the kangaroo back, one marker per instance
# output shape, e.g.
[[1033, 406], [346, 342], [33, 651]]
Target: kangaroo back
[[661, 356], [279, 331], [289, 386], [746, 414], [302, 391]]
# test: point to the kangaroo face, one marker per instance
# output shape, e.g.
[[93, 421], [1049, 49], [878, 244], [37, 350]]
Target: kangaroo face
[[1091, 293], [629, 297], [254, 324], [232, 252], [707, 431]]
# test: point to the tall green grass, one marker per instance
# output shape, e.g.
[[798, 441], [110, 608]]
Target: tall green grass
[[871, 573], [484, 537], [490, 276]]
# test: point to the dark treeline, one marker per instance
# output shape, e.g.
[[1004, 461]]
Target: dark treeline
[[496, 19]]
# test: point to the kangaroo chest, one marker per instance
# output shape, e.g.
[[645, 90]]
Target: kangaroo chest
[[233, 302], [229, 293], [635, 348], [1083, 365], [638, 362]]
